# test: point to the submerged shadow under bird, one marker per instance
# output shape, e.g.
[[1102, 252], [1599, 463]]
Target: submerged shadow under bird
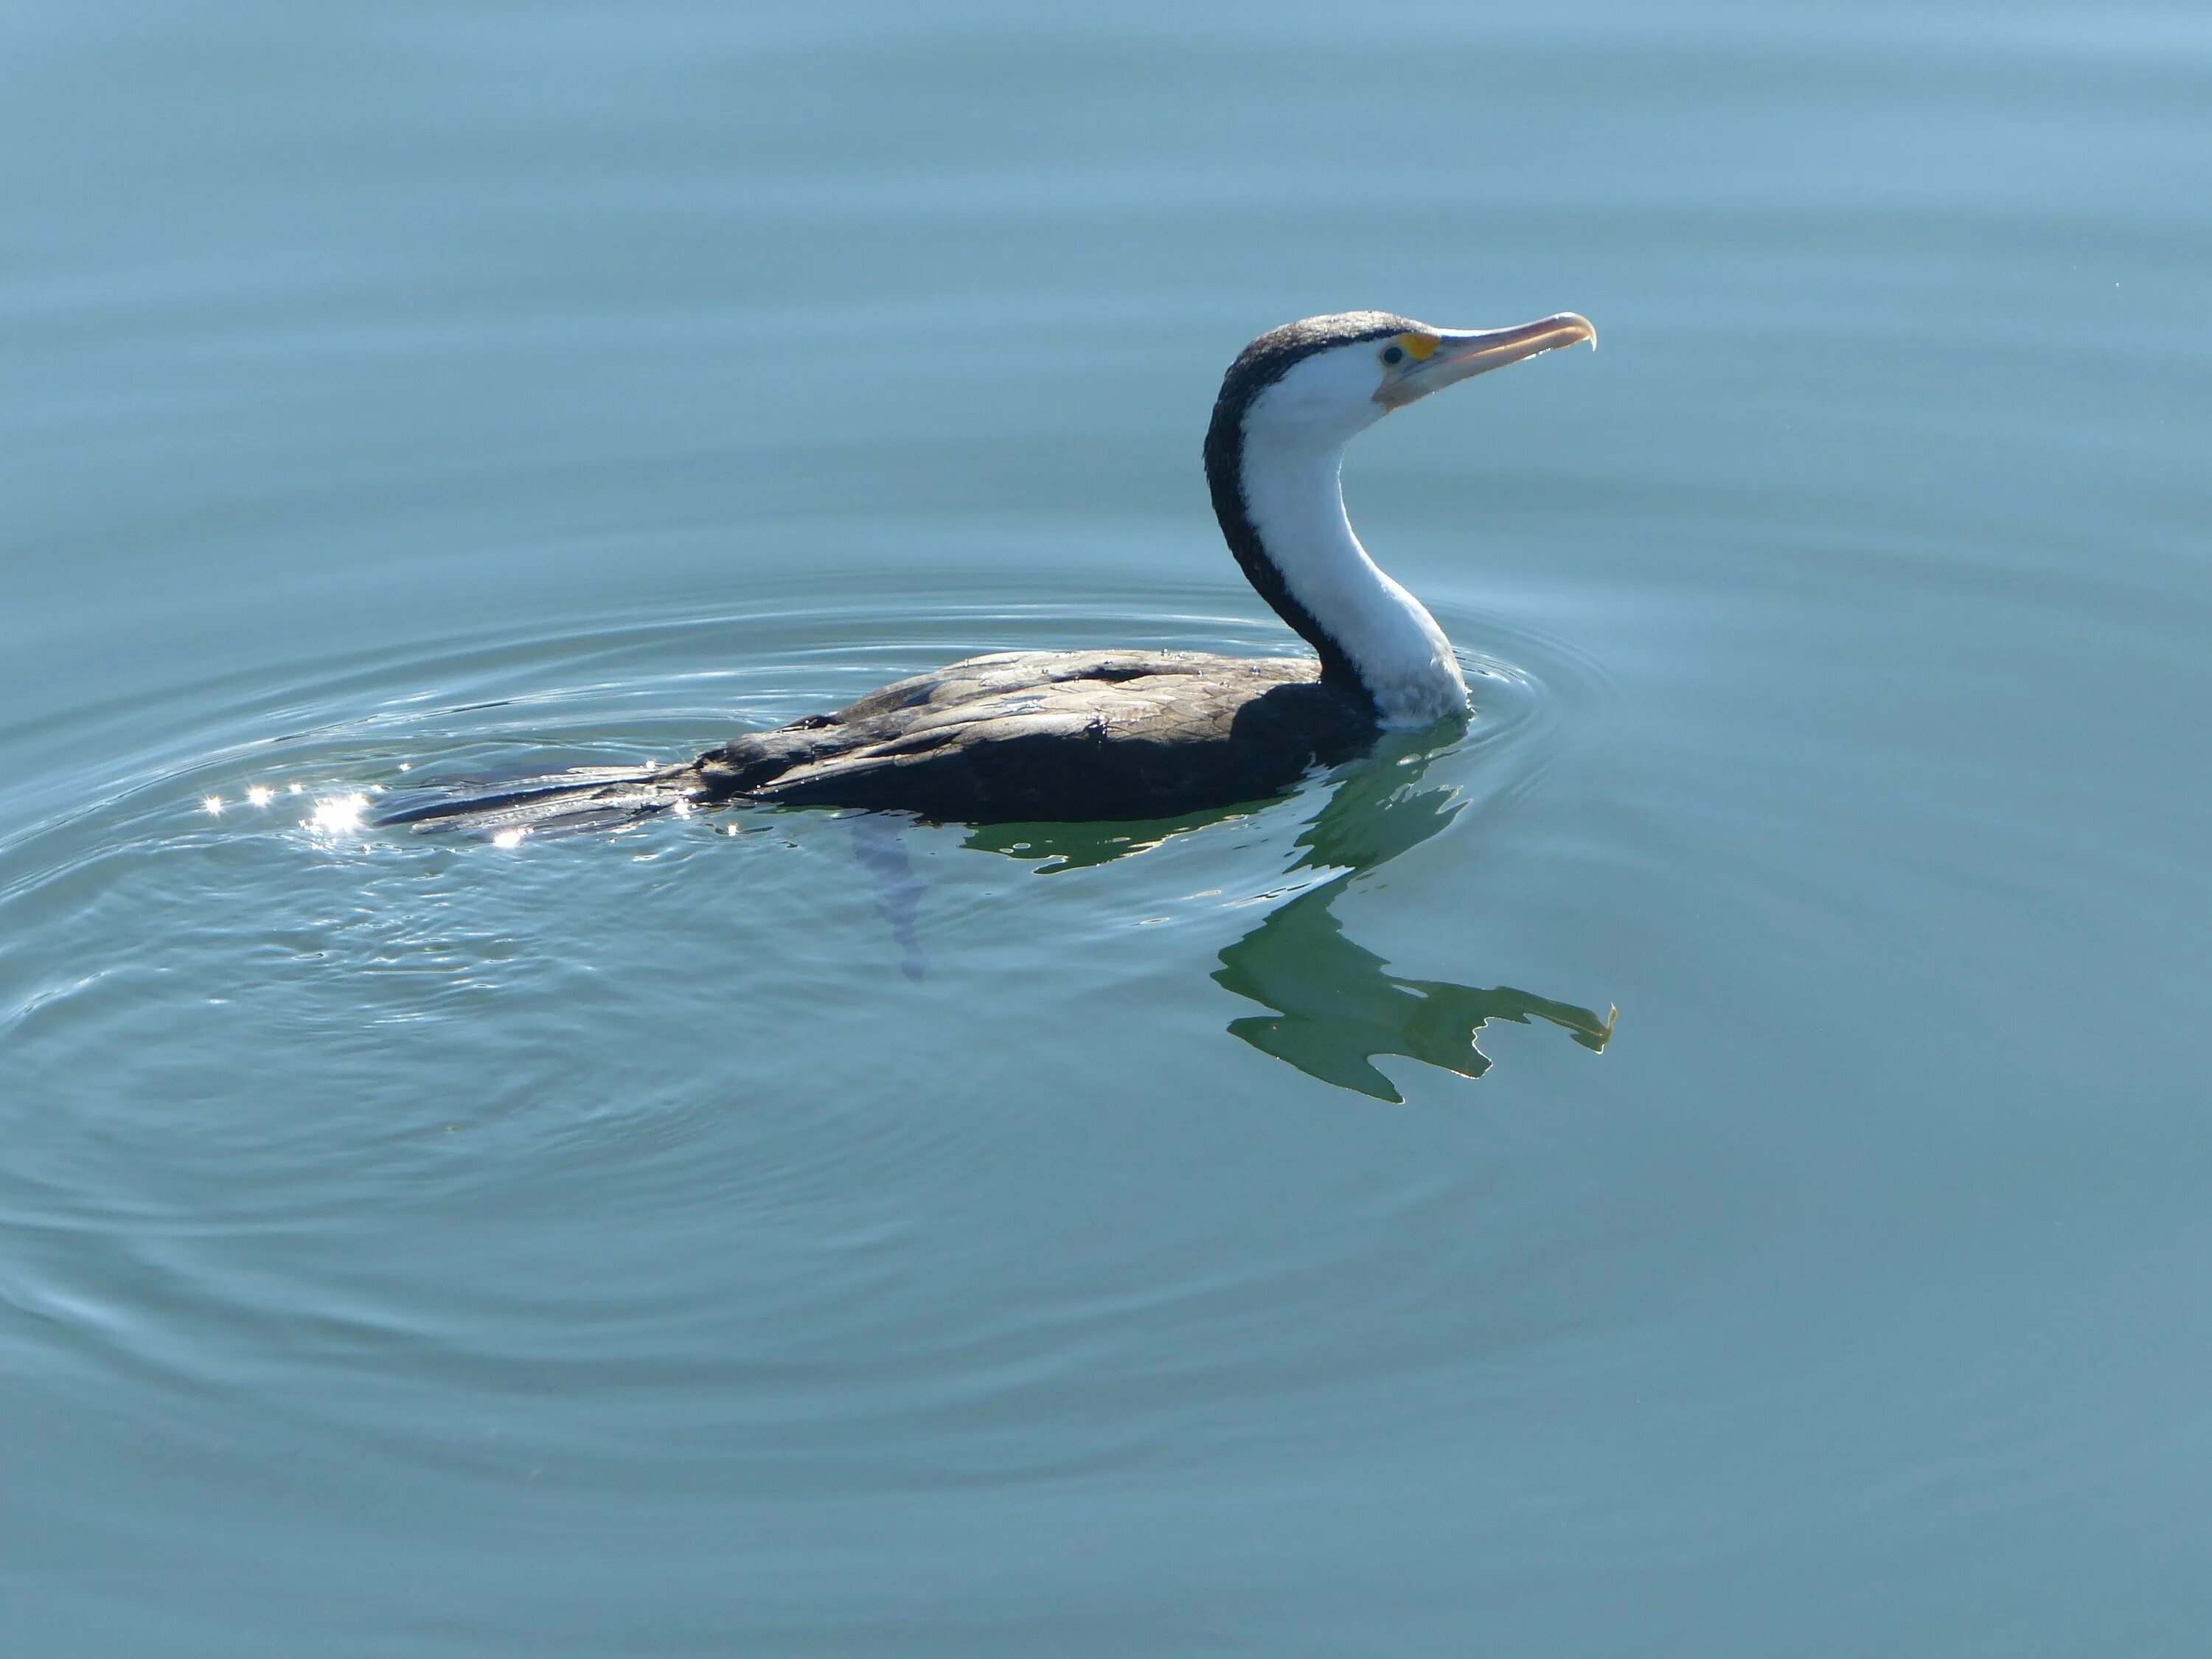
[[1073, 736]]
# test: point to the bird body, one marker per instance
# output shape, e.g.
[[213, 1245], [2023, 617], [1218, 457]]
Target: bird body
[[1076, 735], [1042, 735]]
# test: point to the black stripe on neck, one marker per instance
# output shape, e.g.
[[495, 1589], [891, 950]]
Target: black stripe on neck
[[1258, 366]]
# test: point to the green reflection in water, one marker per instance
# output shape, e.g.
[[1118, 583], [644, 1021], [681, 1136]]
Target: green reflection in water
[[1058, 847], [1336, 1007]]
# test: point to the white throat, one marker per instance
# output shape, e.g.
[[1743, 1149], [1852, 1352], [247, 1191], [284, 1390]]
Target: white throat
[[1294, 497]]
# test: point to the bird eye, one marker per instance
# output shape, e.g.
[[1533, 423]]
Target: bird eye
[[1393, 355]]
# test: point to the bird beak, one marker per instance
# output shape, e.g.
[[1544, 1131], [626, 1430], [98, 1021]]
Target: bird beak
[[1461, 354]]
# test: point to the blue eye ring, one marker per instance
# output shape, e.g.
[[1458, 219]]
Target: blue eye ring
[[1394, 356]]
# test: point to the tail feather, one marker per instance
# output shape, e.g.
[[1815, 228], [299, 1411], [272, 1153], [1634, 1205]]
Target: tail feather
[[585, 798]]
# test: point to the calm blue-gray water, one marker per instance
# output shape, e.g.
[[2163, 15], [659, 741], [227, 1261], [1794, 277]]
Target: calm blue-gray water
[[810, 1233]]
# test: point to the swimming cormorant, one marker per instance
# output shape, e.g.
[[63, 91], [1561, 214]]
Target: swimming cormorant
[[1070, 735]]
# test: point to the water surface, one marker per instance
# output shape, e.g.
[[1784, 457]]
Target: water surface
[[804, 1232]]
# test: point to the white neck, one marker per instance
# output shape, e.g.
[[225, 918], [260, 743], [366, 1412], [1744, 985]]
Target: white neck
[[1294, 497]]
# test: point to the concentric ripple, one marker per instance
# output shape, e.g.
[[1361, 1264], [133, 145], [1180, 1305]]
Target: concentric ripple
[[260, 1048]]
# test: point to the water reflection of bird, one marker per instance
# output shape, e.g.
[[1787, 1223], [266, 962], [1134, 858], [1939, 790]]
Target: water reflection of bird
[[1334, 1005], [1065, 736]]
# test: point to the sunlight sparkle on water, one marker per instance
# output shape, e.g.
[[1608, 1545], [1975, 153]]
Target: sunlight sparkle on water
[[260, 795], [212, 805], [509, 837], [337, 814]]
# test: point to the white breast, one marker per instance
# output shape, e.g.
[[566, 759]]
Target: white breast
[[1293, 456]]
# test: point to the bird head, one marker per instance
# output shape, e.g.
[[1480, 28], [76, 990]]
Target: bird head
[[1325, 379]]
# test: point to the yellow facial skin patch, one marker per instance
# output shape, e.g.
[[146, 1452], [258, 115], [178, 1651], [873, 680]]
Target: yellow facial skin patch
[[1420, 347]]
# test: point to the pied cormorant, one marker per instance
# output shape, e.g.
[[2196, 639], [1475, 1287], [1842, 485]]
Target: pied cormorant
[[1074, 735]]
